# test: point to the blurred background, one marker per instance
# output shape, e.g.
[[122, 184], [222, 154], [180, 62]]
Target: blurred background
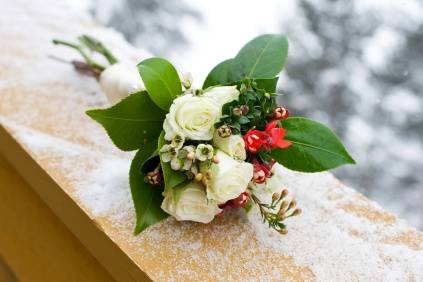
[[354, 65]]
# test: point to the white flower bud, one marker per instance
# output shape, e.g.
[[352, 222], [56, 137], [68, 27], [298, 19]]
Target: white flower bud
[[119, 80], [186, 80]]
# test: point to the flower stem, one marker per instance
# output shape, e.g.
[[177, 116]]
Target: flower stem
[[78, 48], [96, 46]]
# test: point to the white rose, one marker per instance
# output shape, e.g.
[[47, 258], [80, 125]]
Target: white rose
[[233, 145], [229, 178], [222, 94], [272, 185], [192, 117], [192, 205], [119, 80]]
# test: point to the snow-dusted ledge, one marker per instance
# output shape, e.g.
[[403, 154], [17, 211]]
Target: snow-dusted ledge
[[71, 164]]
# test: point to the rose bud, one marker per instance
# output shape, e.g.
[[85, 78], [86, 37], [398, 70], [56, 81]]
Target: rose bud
[[280, 113]]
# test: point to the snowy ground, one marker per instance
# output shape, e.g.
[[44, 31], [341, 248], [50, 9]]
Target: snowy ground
[[355, 65]]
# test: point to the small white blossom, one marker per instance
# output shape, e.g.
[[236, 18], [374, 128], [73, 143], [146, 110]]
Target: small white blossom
[[183, 155], [176, 164], [178, 141], [168, 153], [204, 152]]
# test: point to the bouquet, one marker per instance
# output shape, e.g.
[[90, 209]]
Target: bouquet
[[202, 152]]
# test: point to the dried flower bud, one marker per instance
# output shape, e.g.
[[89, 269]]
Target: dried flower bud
[[284, 205], [245, 109], [237, 112], [283, 231], [292, 205], [284, 193], [224, 131], [296, 212], [281, 215], [154, 177], [275, 197], [215, 159], [199, 176]]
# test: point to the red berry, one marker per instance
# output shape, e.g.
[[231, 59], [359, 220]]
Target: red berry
[[280, 113]]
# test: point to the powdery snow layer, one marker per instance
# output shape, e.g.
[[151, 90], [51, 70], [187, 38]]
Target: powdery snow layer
[[341, 236]]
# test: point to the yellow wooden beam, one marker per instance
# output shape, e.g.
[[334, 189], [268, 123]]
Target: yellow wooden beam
[[6, 274], [91, 235], [33, 241]]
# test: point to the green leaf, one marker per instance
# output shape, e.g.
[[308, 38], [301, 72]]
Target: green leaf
[[219, 75], [314, 147], [262, 57], [243, 120], [132, 122], [161, 81], [171, 177], [147, 198], [269, 85]]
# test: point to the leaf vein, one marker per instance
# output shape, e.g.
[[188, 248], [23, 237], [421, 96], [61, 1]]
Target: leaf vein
[[259, 57], [318, 148]]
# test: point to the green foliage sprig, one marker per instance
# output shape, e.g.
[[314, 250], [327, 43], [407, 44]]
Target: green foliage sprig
[[250, 111], [277, 211]]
